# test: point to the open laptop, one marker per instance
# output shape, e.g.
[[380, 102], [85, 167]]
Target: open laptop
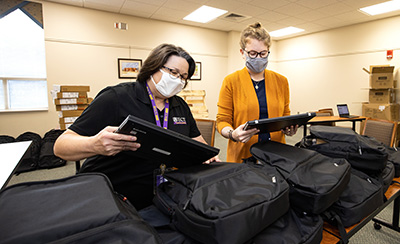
[[10, 158], [343, 111], [166, 146]]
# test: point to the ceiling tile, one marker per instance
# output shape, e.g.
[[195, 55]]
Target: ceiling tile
[[168, 14], [270, 5], [291, 21], [292, 9], [315, 4], [106, 5], [272, 16], [136, 7], [334, 9], [69, 2], [182, 5], [311, 15]]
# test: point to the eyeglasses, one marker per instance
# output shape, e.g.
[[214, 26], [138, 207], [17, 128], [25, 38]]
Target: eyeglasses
[[254, 54], [175, 74]]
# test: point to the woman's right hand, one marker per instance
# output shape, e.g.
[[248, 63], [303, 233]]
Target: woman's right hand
[[243, 135], [109, 143]]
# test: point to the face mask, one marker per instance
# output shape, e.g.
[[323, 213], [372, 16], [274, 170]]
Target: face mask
[[257, 65], [167, 86]]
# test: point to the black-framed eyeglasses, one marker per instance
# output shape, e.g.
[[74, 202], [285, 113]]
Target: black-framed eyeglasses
[[175, 74], [254, 54]]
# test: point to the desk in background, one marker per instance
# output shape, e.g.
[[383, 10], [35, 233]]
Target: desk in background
[[323, 119], [331, 234], [10, 156]]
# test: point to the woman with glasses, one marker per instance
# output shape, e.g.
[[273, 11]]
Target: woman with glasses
[[153, 98], [252, 93]]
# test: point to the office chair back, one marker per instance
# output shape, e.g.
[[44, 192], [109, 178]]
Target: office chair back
[[382, 130], [325, 112], [207, 130]]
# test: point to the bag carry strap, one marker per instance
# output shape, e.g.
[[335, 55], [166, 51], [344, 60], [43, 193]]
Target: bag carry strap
[[333, 218], [342, 230]]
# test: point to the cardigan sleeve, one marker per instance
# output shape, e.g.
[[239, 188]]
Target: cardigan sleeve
[[225, 105]]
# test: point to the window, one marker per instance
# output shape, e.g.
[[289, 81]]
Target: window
[[23, 82]]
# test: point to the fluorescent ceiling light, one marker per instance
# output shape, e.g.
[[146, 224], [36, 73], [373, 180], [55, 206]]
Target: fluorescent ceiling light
[[285, 31], [382, 8], [205, 14]]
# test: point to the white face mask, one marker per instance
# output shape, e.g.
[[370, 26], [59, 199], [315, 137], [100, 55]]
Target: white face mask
[[167, 86]]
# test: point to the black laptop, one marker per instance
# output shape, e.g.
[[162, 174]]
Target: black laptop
[[279, 123], [166, 146], [343, 111]]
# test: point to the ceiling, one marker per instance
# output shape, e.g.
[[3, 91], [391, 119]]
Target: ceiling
[[311, 15]]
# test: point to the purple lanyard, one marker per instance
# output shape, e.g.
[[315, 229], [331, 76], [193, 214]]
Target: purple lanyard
[[166, 110]]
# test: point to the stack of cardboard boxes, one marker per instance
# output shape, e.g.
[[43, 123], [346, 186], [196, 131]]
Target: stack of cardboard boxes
[[70, 101], [382, 97], [196, 101]]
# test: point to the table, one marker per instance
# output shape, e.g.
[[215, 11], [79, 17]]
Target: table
[[323, 119], [10, 156], [331, 233]]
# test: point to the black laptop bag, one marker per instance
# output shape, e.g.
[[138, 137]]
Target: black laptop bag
[[78, 209], [362, 152], [292, 228], [394, 157], [47, 159], [222, 202], [361, 197], [316, 181], [30, 160]]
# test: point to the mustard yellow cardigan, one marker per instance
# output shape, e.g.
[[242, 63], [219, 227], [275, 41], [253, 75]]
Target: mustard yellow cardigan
[[238, 103]]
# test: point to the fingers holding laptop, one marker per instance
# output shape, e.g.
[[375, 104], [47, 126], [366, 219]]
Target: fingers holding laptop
[[214, 159], [109, 143], [290, 131], [241, 135]]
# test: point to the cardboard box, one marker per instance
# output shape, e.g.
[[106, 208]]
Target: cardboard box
[[71, 95], [381, 111], [69, 113], [71, 88], [381, 77], [64, 126], [67, 120], [67, 101], [71, 107], [382, 96]]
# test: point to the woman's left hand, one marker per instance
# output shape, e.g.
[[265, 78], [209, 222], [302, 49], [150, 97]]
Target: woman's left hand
[[214, 159], [290, 131]]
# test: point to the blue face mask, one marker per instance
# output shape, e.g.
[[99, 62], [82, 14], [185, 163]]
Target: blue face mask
[[257, 65]]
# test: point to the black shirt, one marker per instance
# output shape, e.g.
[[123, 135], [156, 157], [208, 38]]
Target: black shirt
[[130, 175]]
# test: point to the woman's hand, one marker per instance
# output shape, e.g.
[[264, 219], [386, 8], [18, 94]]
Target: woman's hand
[[290, 131], [244, 136], [108, 143], [214, 159]]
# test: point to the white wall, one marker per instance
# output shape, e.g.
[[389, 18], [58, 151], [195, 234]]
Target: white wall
[[82, 47], [325, 68]]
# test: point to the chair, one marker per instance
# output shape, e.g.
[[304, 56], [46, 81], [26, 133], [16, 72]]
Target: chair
[[325, 112], [207, 129], [382, 130]]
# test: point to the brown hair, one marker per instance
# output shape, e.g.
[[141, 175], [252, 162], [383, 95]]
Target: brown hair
[[255, 31], [159, 56]]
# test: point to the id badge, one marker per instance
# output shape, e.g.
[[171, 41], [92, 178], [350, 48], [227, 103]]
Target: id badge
[[159, 177]]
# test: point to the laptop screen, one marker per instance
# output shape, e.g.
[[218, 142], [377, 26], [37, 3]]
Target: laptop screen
[[343, 109]]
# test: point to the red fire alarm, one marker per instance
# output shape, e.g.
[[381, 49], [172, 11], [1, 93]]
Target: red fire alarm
[[389, 54]]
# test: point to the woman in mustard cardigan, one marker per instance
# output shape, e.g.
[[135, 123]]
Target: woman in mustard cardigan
[[252, 93]]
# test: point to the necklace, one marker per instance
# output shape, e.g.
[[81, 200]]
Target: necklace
[[256, 83]]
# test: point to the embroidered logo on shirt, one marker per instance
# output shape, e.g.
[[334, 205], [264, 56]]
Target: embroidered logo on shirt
[[179, 120]]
